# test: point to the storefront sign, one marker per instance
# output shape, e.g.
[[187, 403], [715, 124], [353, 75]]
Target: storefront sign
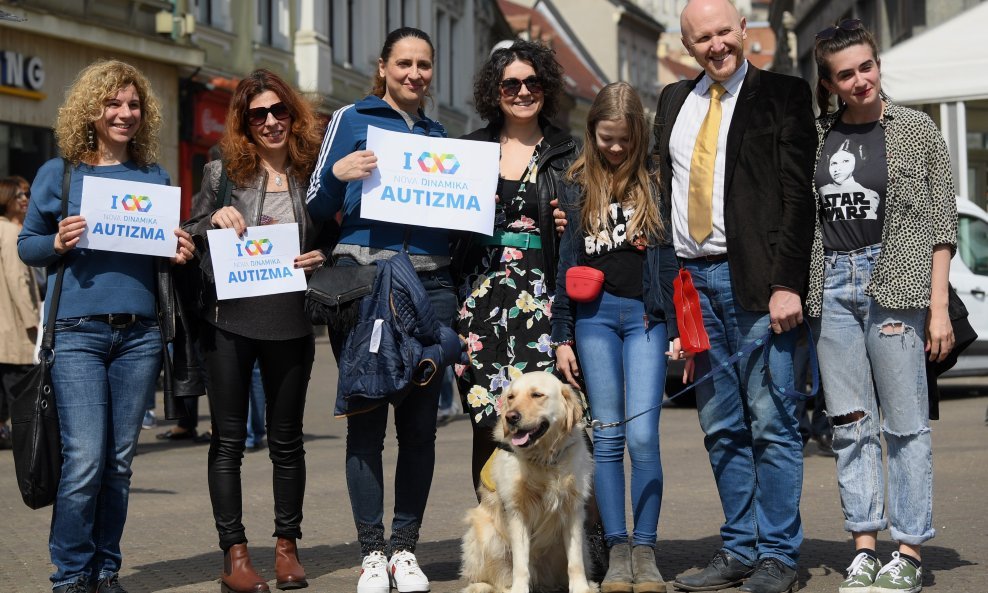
[[21, 75]]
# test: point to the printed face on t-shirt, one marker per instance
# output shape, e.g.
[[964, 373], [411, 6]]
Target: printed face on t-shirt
[[841, 166]]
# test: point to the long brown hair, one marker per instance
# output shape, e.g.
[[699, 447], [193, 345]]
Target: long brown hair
[[9, 188], [243, 164], [628, 183]]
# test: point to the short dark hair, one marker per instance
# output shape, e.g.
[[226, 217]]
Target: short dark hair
[[487, 86]]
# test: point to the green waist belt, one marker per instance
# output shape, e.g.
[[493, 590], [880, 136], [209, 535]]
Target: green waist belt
[[520, 240]]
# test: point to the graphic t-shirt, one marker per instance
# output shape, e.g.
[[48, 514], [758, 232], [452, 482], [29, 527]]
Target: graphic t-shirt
[[616, 255], [851, 182]]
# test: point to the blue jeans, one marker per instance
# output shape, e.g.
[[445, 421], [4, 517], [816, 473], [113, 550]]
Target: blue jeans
[[871, 360], [102, 378], [255, 412], [751, 434], [415, 429], [624, 365]]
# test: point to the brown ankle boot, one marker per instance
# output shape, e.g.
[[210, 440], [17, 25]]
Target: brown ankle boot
[[239, 575], [287, 569]]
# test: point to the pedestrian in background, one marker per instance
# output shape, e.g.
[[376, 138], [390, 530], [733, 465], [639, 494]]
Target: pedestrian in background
[[878, 284], [18, 305], [269, 149], [108, 343], [396, 103], [742, 221], [614, 226]]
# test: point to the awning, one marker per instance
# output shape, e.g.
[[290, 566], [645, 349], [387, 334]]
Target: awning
[[943, 64]]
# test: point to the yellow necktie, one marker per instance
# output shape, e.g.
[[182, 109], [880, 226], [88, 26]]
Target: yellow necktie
[[700, 212]]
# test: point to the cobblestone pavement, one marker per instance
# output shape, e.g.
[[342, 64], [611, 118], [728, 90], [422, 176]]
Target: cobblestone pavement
[[170, 544]]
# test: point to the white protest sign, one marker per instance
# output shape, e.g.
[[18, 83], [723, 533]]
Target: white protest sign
[[129, 216], [434, 182], [259, 263]]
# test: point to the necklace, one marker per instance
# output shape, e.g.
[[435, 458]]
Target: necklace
[[277, 179]]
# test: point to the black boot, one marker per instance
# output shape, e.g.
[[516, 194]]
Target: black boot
[[771, 576], [722, 572]]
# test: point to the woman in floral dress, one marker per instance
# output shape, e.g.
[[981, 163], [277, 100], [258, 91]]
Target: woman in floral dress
[[510, 277]]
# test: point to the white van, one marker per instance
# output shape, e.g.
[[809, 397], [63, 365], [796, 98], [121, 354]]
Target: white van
[[969, 275]]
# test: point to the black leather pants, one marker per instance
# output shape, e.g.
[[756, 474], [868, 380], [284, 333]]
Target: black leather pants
[[285, 369]]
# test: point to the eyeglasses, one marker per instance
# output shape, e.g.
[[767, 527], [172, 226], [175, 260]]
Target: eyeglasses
[[845, 25], [24, 194], [510, 87], [258, 115]]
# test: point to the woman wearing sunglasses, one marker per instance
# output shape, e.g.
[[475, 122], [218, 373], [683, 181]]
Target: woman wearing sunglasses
[[396, 103], [268, 150], [878, 284], [510, 277]]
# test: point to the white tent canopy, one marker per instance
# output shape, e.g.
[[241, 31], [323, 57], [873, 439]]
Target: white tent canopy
[[943, 64]]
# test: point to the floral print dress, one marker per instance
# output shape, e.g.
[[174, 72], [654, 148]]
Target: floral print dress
[[505, 312]]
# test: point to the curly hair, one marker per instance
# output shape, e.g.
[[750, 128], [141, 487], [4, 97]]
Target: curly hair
[[243, 163], [85, 104], [487, 86], [378, 85]]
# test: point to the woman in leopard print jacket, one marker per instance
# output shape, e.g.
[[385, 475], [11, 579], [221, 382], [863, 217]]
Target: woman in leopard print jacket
[[885, 234]]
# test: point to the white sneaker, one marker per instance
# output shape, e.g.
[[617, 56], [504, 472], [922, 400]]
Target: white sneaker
[[406, 575], [374, 574]]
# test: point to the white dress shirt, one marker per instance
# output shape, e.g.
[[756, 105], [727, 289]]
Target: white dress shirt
[[681, 142]]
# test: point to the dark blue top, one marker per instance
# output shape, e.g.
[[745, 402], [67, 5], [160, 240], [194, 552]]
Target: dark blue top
[[96, 282]]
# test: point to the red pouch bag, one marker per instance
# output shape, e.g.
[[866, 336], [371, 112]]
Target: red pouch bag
[[583, 283], [692, 335]]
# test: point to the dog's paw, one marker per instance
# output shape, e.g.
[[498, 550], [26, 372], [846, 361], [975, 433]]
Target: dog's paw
[[587, 587], [480, 588]]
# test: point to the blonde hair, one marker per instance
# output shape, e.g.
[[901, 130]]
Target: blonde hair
[[85, 104], [629, 182]]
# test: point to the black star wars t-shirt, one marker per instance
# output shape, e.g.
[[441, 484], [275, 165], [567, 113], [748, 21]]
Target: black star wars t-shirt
[[613, 253], [851, 182]]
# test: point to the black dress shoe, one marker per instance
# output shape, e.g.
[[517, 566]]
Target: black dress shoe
[[722, 572], [771, 576], [80, 586], [175, 435]]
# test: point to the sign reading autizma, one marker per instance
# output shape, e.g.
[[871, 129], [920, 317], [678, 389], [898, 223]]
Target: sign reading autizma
[[259, 263], [129, 216], [434, 182]]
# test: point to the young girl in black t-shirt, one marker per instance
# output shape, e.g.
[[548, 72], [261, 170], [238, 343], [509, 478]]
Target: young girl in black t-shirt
[[614, 226]]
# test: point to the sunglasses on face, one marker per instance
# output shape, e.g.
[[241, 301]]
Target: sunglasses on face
[[510, 87], [845, 25], [24, 194], [258, 115]]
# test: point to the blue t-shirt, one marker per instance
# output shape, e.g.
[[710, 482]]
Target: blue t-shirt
[[96, 282]]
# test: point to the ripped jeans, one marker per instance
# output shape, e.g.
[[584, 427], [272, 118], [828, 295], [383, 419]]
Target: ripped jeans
[[871, 360]]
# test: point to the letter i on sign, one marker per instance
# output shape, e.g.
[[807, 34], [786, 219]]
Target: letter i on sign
[[240, 250], [408, 161], [114, 206]]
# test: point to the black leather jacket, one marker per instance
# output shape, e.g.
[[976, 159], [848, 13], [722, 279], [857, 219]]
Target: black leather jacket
[[558, 153]]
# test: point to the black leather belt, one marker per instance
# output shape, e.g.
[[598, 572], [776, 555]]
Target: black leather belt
[[117, 320], [717, 257]]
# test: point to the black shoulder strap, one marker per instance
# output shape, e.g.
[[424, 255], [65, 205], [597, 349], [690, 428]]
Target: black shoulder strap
[[226, 188], [48, 341]]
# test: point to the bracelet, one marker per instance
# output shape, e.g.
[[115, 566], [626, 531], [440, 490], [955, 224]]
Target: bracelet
[[555, 345]]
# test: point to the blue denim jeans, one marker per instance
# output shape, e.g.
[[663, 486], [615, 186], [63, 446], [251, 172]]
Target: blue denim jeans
[[871, 361], [102, 378], [415, 430], [624, 365], [751, 433]]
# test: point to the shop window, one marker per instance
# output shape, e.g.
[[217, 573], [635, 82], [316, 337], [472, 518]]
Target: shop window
[[23, 149]]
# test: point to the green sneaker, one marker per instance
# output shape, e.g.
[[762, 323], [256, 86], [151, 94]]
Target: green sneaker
[[860, 575], [898, 576]]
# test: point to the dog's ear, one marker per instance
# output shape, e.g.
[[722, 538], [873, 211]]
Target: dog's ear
[[574, 408]]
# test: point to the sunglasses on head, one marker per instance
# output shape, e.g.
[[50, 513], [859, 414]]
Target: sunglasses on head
[[510, 87], [258, 115], [844, 25]]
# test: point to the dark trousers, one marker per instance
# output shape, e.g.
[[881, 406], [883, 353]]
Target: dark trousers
[[285, 369], [9, 375], [415, 429]]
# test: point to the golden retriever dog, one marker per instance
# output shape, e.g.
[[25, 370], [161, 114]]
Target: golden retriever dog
[[527, 532]]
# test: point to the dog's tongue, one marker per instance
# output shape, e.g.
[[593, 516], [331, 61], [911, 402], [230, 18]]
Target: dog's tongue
[[520, 439]]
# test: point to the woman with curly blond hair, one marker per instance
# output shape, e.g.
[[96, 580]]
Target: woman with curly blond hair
[[269, 149], [107, 338]]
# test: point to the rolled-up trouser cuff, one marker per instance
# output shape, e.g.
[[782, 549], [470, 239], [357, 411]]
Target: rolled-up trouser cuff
[[912, 540]]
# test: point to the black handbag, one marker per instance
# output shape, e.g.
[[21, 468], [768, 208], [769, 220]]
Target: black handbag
[[964, 336], [35, 432], [334, 292]]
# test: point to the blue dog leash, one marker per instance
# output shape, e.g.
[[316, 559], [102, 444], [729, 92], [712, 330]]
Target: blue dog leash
[[762, 342]]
